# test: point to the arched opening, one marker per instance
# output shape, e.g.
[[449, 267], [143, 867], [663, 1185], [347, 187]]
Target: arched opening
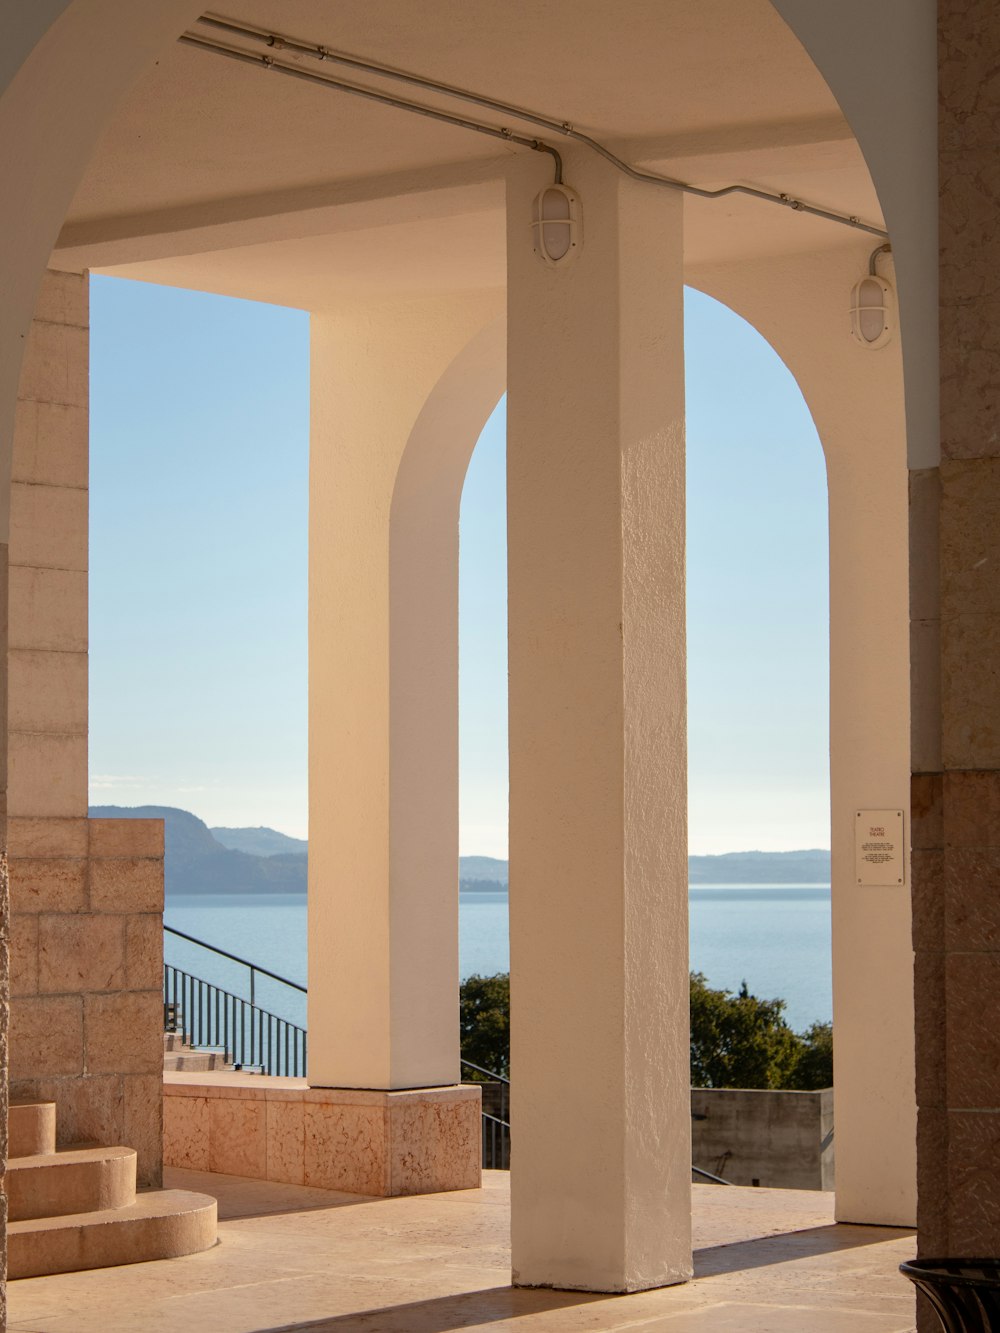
[[198, 653], [372, 857], [758, 701], [758, 743], [797, 302]]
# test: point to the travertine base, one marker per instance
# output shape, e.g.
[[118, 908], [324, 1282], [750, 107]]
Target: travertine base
[[362, 1142]]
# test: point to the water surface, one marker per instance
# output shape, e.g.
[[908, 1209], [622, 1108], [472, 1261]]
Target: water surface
[[775, 937]]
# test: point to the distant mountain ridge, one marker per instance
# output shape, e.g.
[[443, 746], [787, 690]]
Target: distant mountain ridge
[[804, 867], [203, 860], [486, 870], [260, 841], [810, 866], [196, 862]]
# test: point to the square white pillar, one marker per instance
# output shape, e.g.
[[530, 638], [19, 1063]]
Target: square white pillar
[[598, 766]]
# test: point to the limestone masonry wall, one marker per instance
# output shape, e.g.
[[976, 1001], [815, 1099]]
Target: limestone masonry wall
[[86, 895], [87, 976]]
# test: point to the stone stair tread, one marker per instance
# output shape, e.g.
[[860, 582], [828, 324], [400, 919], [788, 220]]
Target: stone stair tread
[[196, 1061], [172, 1042], [69, 1180], [79, 1152], [31, 1126], [158, 1224]]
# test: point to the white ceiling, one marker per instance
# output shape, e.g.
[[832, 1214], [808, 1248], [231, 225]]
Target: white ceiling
[[225, 177]]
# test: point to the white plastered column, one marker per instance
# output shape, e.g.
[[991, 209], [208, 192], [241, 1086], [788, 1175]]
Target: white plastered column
[[598, 849], [800, 304], [400, 394]]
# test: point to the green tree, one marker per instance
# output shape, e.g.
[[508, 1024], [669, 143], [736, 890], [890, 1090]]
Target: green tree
[[739, 1041], [815, 1064], [484, 1017]]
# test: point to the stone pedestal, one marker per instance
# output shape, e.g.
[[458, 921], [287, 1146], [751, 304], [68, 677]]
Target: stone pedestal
[[422, 1141]]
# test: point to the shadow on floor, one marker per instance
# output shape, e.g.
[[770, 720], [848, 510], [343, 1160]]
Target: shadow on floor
[[762, 1251], [443, 1314], [234, 1212]]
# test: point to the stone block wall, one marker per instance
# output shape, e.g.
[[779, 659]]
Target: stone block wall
[[47, 645], [86, 895], [955, 609], [87, 978]]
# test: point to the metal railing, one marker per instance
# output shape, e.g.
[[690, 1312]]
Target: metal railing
[[253, 1038], [209, 1016], [495, 1127], [707, 1175]]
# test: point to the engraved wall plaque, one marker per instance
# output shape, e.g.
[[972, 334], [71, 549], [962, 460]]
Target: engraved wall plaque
[[878, 847]]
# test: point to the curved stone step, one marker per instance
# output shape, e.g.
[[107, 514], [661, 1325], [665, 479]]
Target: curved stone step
[[161, 1224], [31, 1128], [79, 1180]]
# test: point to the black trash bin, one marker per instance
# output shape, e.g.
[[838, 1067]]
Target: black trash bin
[[964, 1292]]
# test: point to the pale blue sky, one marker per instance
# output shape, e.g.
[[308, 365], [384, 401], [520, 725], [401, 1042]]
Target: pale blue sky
[[199, 458]]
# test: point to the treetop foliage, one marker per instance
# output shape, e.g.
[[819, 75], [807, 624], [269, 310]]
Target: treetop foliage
[[484, 1020], [737, 1041]]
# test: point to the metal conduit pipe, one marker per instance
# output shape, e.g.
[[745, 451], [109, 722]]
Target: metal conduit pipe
[[402, 104], [873, 258], [316, 51]]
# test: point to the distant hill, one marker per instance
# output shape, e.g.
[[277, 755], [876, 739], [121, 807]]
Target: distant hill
[[197, 862], [482, 885], [260, 841], [806, 867], [482, 868], [201, 860]]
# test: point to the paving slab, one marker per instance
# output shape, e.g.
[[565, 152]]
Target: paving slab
[[297, 1260]]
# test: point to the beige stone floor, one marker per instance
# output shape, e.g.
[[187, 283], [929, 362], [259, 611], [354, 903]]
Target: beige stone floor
[[288, 1258]]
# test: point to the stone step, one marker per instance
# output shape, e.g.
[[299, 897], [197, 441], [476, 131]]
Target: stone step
[[174, 1041], [161, 1224], [77, 1180], [195, 1061], [31, 1128]]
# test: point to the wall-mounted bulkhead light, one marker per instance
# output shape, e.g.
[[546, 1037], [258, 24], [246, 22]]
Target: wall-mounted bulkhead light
[[557, 225], [872, 311]]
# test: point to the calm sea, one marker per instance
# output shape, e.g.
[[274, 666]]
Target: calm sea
[[775, 937]]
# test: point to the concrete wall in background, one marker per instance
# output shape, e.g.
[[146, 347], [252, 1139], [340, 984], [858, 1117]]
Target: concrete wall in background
[[778, 1140]]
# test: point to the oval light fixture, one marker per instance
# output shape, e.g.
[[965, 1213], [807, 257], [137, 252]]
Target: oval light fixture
[[872, 311], [556, 225]]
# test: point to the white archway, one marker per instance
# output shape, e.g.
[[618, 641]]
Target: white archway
[[400, 395], [799, 304]]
